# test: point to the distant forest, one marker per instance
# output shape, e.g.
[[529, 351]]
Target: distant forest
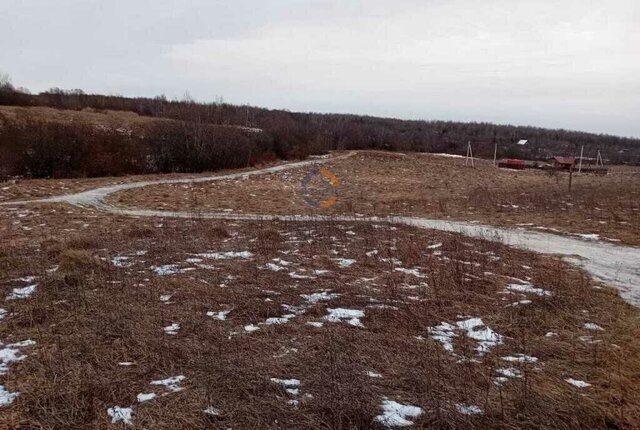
[[194, 141]]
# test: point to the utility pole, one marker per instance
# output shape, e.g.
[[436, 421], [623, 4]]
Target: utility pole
[[469, 155], [580, 165], [495, 155]]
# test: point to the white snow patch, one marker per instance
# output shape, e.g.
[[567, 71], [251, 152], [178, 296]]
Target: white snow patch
[[593, 326], [145, 397], [279, 320], [577, 383], [476, 330], [468, 409], [6, 397], [274, 267], [249, 328], [289, 383], [10, 354], [121, 261], [172, 329], [3, 313], [345, 262], [372, 374], [413, 272], [351, 316], [171, 383], [214, 412], [226, 255], [118, 414], [589, 236], [520, 358], [318, 297], [316, 324], [527, 288], [443, 333], [395, 414], [22, 293], [167, 269], [220, 315]]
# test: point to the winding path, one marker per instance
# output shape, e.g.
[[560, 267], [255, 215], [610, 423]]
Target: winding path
[[618, 266]]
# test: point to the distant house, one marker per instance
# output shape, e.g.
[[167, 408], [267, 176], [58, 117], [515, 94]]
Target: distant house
[[563, 163]]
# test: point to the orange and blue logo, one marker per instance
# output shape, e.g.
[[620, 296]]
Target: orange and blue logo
[[329, 184]]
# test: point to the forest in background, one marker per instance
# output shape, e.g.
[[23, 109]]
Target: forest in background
[[195, 137]]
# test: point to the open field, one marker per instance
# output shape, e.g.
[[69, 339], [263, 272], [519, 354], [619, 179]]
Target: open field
[[198, 323], [375, 183]]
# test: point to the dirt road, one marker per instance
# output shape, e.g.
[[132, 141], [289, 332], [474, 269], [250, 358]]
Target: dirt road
[[618, 266]]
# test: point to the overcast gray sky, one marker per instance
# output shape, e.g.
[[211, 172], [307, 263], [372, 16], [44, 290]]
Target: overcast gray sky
[[554, 63]]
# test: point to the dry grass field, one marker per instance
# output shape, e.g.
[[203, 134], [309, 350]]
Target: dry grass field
[[122, 322], [374, 183]]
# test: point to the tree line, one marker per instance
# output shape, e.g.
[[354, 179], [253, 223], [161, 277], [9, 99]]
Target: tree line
[[198, 137]]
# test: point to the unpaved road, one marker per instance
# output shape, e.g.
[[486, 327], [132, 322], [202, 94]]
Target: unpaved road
[[615, 265]]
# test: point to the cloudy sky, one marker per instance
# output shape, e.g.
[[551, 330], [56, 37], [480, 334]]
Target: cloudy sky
[[555, 63]]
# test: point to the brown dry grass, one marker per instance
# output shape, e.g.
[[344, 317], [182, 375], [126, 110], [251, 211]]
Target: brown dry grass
[[89, 315], [422, 185]]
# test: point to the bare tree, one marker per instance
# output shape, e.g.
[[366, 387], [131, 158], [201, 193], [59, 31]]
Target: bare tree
[[5, 82]]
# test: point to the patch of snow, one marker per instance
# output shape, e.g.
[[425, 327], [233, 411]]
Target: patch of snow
[[22, 293], [167, 269], [118, 414], [510, 372], [345, 262], [220, 315], [527, 288], [250, 328], [413, 272], [372, 374], [165, 298], [274, 267], [145, 397], [435, 246], [550, 334], [10, 354], [443, 333], [476, 330], [520, 358], [172, 329], [395, 414], [589, 236], [318, 297], [577, 383], [171, 383], [6, 397], [279, 320], [226, 255], [120, 261], [351, 316], [316, 324], [468, 409], [294, 275], [214, 412], [289, 383], [593, 326], [3, 313]]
